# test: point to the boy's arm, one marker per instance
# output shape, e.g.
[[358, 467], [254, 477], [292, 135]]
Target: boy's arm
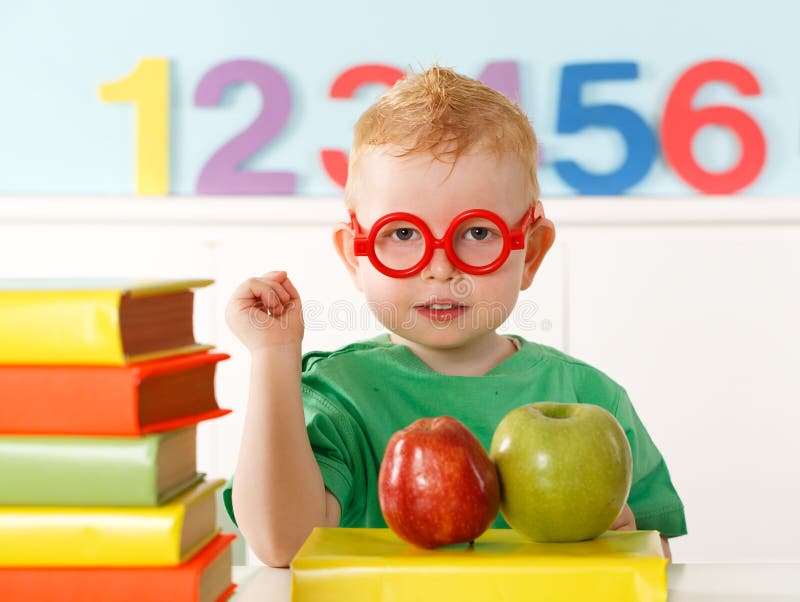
[[665, 547], [278, 494]]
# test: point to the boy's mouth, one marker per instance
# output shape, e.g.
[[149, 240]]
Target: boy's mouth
[[441, 310]]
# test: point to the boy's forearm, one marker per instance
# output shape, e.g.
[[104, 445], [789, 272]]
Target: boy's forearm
[[666, 549], [278, 493]]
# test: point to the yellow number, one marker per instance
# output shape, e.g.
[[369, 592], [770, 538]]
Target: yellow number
[[148, 88]]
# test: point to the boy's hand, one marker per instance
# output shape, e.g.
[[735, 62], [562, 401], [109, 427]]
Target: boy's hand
[[625, 521], [265, 312]]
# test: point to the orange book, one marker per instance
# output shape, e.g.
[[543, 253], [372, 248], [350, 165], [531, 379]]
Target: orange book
[[204, 578], [134, 399]]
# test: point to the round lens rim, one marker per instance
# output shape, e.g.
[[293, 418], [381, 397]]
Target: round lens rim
[[491, 266], [430, 243]]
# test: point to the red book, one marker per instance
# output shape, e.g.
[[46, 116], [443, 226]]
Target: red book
[[206, 577], [134, 399]]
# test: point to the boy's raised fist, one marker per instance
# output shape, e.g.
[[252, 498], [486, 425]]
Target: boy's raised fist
[[265, 312]]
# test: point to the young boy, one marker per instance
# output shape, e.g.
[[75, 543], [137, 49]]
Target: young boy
[[441, 278]]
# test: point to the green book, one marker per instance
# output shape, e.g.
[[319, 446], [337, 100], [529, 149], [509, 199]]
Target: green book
[[97, 471]]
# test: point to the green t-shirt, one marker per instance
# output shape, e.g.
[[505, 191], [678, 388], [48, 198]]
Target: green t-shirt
[[357, 397]]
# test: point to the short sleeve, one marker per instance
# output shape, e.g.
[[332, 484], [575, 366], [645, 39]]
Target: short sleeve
[[338, 445], [653, 499], [227, 500]]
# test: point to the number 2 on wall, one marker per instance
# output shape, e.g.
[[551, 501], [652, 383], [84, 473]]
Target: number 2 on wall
[[222, 173]]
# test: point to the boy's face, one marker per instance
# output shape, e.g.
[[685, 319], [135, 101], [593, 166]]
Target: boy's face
[[437, 192]]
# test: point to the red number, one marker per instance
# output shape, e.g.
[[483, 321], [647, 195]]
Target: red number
[[333, 160], [681, 123]]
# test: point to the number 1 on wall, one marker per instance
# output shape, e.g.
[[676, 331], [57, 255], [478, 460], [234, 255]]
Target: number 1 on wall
[[148, 88]]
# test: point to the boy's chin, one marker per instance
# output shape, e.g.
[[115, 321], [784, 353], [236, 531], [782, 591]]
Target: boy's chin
[[438, 338]]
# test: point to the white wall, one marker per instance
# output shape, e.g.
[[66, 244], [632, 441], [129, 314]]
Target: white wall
[[691, 304]]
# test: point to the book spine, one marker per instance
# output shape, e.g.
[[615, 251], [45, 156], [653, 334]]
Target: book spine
[[78, 471], [60, 327], [71, 537]]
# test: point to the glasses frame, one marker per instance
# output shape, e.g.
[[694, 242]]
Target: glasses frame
[[513, 239]]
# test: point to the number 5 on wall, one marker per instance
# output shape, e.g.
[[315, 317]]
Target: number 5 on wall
[[148, 88], [574, 116]]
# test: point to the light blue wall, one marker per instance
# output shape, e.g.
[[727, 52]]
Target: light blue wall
[[57, 137]]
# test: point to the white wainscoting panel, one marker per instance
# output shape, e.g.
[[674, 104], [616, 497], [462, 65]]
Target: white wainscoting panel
[[691, 304]]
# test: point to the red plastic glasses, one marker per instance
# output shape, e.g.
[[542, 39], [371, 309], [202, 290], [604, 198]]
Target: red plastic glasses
[[477, 242]]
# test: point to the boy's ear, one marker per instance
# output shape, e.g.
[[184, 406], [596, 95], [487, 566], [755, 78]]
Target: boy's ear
[[540, 239], [343, 242]]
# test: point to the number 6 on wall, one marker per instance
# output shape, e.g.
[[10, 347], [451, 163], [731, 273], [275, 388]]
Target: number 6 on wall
[[148, 88], [682, 122]]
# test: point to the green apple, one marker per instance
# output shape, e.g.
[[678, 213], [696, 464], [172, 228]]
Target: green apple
[[564, 469]]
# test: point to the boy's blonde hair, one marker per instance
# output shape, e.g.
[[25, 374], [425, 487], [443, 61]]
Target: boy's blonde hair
[[446, 114]]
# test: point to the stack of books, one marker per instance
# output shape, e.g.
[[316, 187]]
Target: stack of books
[[102, 385]]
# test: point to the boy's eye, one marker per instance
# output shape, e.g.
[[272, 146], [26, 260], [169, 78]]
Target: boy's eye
[[405, 234], [478, 233]]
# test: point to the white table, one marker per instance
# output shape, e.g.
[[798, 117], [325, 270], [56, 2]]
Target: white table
[[687, 583]]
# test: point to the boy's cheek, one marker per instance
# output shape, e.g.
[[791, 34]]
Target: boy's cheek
[[369, 280], [359, 273]]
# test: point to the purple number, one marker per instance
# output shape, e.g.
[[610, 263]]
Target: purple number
[[503, 76], [221, 174]]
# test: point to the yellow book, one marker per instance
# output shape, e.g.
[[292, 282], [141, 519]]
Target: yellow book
[[103, 536], [96, 321], [371, 565]]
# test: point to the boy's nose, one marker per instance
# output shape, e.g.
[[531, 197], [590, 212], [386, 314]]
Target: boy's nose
[[439, 267]]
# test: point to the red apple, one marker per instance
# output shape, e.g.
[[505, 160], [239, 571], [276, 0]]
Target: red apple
[[437, 485]]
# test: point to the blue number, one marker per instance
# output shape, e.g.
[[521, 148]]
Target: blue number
[[573, 116]]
